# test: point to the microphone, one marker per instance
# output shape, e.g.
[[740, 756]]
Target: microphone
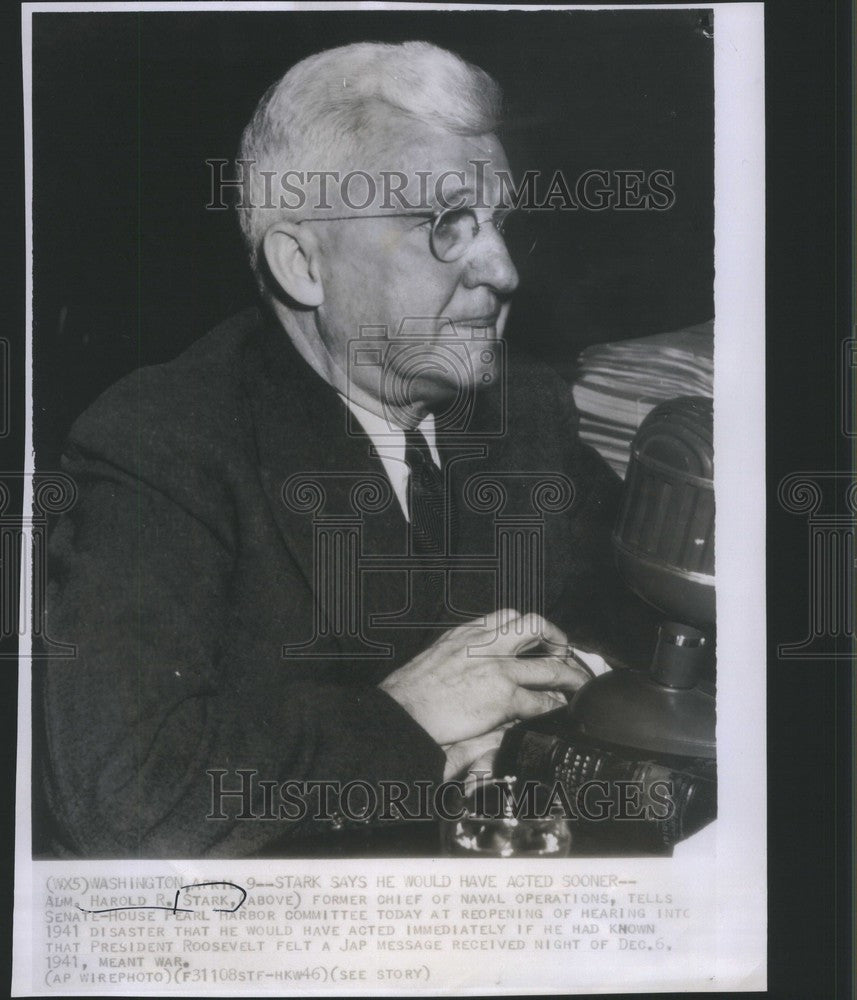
[[653, 728]]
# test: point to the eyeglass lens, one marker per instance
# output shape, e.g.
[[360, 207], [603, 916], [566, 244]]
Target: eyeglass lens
[[455, 229]]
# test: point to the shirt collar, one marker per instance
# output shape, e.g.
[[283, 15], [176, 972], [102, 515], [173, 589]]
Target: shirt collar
[[386, 435]]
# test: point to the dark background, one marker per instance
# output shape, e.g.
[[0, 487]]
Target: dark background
[[810, 286], [130, 267]]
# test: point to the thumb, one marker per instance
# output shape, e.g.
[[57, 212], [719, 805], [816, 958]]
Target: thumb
[[463, 755]]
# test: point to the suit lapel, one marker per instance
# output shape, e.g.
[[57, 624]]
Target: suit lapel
[[312, 463], [515, 460]]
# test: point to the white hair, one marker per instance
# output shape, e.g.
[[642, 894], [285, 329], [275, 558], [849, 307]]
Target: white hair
[[333, 110]]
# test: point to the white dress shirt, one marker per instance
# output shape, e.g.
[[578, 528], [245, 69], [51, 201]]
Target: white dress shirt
[[389, 442]]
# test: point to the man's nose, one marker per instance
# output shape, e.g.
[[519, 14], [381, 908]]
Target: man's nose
[[489, 263]]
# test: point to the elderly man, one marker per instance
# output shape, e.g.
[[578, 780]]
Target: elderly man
[[287, 561]]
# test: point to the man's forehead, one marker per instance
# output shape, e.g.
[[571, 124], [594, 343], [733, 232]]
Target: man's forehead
[[466, 165], [438, 150]]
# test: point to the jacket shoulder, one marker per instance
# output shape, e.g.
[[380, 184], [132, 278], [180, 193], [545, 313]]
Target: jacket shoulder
[[540, 400], [177, 406]]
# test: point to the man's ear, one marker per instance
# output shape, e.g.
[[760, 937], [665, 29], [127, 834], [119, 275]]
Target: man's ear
[[293, 256]]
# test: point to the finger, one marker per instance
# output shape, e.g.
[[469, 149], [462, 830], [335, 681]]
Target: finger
[[479, 744], [588, 662], [498, 730], [497, 621], [520, 633], [462, 755], [483, 766], [546, 672], [526, 704], [479, 770], [540, 632], [493, 621], [582, 671], [502, 619]]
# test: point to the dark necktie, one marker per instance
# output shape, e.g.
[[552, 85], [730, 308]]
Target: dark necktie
[[428, 504]]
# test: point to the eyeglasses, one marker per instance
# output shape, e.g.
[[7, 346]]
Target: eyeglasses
[[452, 231]]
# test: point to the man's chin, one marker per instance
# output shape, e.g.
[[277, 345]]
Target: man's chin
[[450, 402], [439, 376], [443, 390]]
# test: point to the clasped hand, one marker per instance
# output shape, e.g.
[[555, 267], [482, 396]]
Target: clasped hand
[[472, 683]]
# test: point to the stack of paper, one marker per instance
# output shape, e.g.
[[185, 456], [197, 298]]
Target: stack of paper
[[619, 383]]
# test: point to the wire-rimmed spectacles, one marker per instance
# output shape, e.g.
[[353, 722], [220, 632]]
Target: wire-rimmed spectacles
[[452, 231]]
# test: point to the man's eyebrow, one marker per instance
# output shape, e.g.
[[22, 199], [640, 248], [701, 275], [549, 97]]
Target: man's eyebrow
[[460, 197], [455, 196]]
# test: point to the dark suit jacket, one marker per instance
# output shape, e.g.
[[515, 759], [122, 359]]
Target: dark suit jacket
[[181, 574]]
